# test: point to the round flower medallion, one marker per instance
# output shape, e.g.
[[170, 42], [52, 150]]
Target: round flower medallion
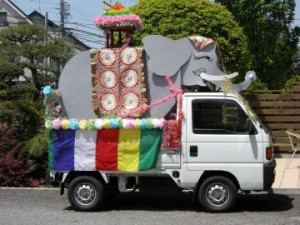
[[108, 102], [129, 78], [106, 57]]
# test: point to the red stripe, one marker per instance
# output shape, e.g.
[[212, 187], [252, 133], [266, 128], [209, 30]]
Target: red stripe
[[107, 149]]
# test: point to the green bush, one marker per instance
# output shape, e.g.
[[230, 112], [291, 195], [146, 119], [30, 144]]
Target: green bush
[[38, 145], [289, 84], [258, 85]]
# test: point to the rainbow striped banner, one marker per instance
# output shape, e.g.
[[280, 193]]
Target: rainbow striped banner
[[106, 150]]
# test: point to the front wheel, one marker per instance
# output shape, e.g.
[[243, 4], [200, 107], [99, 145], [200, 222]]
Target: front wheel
[[217, 194], [85, 193]]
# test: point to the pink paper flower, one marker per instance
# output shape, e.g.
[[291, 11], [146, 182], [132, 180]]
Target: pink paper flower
[[115, 20]]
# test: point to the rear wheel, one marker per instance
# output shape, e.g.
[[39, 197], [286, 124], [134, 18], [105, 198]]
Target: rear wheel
[[85, 193], [217, 194]]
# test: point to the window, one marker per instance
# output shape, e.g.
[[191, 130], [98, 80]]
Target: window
[[3, 19], [219, 117]]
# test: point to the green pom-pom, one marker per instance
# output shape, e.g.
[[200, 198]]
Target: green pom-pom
[[48, 124], [120, 123], [150, 123], [91, 125]]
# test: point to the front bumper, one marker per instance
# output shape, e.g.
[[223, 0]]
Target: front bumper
[[269, 174]]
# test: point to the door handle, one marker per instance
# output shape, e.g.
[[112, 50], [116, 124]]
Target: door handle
[[193, 151]]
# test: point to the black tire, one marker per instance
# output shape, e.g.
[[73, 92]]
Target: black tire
[[217, 194], [86, 193]]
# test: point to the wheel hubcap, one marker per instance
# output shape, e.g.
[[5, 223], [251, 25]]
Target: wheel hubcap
[[85, 194], [217, 195]]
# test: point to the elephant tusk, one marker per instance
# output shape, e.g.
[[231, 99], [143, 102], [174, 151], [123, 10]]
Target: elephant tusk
[[210, 77]]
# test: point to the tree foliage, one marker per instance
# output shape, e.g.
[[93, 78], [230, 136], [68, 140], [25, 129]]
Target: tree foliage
[[25, 46], [23, 52], [271, 39], [293, 81], [9, 71], [177, 19]]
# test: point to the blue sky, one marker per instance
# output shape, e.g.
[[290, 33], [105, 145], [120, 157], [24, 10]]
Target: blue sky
[[82, 14]]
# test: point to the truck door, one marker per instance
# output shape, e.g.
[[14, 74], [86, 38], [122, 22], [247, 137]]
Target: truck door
[[217, 134]]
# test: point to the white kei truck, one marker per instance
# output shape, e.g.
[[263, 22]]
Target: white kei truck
[[225, 149]]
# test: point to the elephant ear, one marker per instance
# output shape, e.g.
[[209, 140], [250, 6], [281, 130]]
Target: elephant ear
[[75, 87], [164, 55]]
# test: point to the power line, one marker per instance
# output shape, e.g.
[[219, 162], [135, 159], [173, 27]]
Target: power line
[[90, 25], [83, 25], [42, 20], [86, 32]]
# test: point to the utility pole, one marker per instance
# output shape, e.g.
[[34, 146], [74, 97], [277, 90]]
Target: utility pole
[[62, 17], [64, 13], [40, 7], [46, 38], [46, 59], [46, 27]]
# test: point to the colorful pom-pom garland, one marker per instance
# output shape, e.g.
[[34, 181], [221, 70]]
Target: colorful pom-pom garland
[[99, 124]]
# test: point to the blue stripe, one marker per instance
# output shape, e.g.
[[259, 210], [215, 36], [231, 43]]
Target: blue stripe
[[63, 150]]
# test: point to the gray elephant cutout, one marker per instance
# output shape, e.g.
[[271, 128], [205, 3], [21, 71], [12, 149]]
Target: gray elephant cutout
[[181, 60]]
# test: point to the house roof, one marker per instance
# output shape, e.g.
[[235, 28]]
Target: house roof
[[36, 17], [36, 13], [18, 10], [54, 25]]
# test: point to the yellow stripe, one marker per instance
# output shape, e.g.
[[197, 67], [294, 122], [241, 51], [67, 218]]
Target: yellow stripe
[[128, 150]]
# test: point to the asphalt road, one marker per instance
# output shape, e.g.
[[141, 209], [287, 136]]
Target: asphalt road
[[45, 207]]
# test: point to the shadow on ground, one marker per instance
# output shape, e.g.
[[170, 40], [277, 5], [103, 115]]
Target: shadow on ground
[[184, 202], [264, 203]]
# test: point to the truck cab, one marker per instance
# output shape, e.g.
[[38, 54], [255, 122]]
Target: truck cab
[[221, 132]]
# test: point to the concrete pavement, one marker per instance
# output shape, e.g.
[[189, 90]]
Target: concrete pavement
[[287, 179]]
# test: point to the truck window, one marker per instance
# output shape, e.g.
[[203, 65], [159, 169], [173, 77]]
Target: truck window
[[218, 116]]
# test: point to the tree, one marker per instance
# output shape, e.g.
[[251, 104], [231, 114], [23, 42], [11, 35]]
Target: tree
[[24, 45], [8, 72], [178, 19], [23, 50], [271, 39]]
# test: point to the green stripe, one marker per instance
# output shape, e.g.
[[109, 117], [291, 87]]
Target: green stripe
[[50, 149], [150, 142]]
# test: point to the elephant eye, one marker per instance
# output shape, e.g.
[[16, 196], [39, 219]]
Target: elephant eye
[[201, 55], [199, 71]]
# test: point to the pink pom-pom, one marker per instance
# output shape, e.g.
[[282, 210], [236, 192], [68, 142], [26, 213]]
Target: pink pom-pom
[[131, 124], [161, 123], [126, 124], [56, 124], [156, 123]]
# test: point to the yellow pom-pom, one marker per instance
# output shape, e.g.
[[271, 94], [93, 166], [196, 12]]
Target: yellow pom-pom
[[106, 124], [137, 124], [82, 124], [65, 124]]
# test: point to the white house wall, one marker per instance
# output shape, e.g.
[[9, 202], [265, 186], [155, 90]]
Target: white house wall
[[14, 15]]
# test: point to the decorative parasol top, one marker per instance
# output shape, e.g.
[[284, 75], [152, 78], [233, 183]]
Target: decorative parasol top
[[117, 17]]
